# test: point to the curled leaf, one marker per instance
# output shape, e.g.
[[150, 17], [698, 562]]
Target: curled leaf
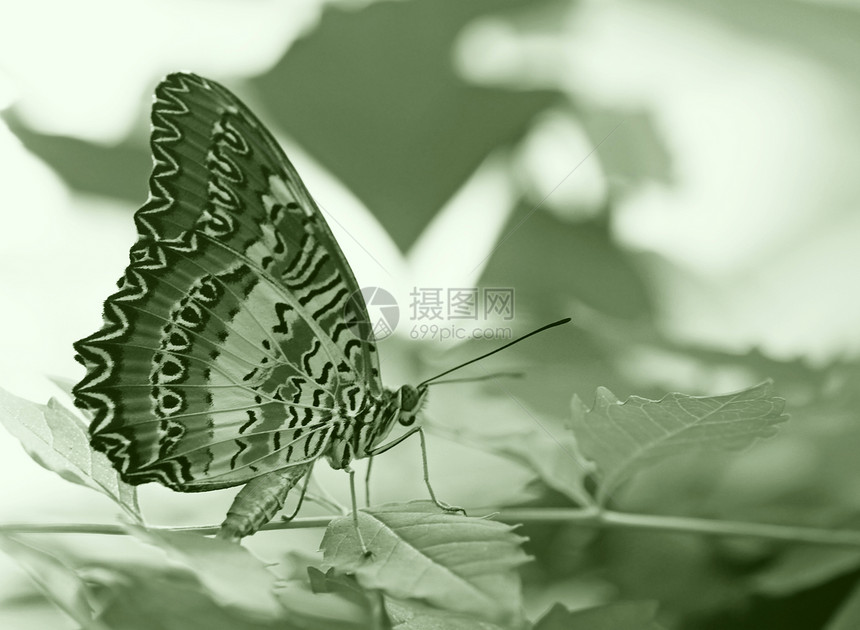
[[623, 437], [58, 440]]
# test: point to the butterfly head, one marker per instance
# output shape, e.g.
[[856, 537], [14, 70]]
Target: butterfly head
[[409, 400]]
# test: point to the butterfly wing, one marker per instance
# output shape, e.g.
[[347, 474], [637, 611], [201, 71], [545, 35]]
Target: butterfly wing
[[238, 324]]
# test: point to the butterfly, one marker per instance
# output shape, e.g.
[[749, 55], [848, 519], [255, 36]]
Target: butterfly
[[237, 349]]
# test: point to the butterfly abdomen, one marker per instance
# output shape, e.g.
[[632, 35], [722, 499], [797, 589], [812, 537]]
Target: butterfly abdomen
[[259, 501]]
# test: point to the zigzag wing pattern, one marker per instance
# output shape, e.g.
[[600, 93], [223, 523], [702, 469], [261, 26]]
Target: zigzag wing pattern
[[233, 335]]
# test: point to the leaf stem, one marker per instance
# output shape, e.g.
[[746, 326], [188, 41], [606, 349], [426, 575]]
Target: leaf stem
[[685, 525], [589, 517], [120, 530]]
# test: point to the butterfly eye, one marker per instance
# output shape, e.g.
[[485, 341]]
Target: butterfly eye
[[407, 398], [406, 419]]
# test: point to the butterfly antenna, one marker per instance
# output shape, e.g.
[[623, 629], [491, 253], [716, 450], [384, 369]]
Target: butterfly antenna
[[473, 379], [507, 345]]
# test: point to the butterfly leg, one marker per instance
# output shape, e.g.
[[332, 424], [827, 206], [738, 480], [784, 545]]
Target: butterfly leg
[[364, 549], [367, 482], [302, 495], [440, 504]]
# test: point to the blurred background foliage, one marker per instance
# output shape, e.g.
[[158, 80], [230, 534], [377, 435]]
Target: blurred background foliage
[[679, 177]]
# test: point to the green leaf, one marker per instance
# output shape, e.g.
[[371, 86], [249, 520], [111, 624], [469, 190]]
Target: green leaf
[[848, 615], [326, 601], [143, 598], [555, 460], [328, 610], [346, 586], [229, 571], [618, 616], [412, 615], [450, 561], [623, 437], [58, 440], [55, 578], [801, 568]]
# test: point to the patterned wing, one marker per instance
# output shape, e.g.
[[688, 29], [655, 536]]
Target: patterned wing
[[233, 334]]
